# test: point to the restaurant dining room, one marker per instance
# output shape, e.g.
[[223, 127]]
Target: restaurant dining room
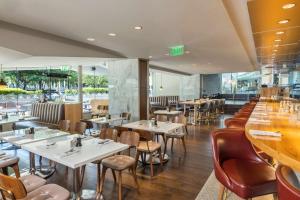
[[150, 100]]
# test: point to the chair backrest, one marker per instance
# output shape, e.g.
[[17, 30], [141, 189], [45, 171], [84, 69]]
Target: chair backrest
[[235, 122], [12, 188], [126, 116], [162, 118], [80, 127], [64, 125], [288, 186], [109, 133], [181, 119], [89, 124], [120, 129], [144, 135], [130, 138]]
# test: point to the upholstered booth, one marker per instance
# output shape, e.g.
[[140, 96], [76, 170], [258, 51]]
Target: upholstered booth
[[49, 115]]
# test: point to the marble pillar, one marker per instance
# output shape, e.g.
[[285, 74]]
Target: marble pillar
[[190, 87], [123, 80]]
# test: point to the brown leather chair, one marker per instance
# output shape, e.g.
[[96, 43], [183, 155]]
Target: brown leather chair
[[80, 128], [12, 188], [121, 162], [235, 122], [288, 185], [237, 166], [148, 146]]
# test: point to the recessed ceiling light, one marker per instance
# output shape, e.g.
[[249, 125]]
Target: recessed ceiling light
[[283, 21], [277, 40], [288, 5], [112, 34], [276, 45], [138, 27], [167, 54], [187, 52], [275, 50], [279, 32], [90, 39], [150, 56]]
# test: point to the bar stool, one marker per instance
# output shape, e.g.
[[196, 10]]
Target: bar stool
[[288, 185], [237, 166]]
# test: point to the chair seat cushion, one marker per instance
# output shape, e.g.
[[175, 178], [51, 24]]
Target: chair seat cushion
[[7, 160], [250, 178], [175, 135], [32, 182], [118, 162], [49, 192], [153, 146]]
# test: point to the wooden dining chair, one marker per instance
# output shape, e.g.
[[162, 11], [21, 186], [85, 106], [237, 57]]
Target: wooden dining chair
[[122, 162], [178, 134], [80, 128], [12, 188], [148, 146], [126, 117], [64, 125], [89, 125]]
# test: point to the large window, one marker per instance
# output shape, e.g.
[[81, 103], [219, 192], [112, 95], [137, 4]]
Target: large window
[[240, 83]]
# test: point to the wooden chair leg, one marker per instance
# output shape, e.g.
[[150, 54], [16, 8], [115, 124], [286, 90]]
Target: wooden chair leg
[[221, 192], [134, 176], [186, 130], [137, 156], [166, 143], [98, 177], [172, 144], [114, 175], [151, 164], [16, 170], [120, 185], [102, 179], [160, 157], [183, 142]]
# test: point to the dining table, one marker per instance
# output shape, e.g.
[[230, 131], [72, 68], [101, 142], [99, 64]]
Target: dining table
[[60, 150], [161, 127], [196, 103], [274, 128]]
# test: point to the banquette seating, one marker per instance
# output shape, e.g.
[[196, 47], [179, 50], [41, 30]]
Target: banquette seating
[[49, 114]]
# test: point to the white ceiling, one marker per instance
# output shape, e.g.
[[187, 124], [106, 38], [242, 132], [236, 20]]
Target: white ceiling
[[8, 55], [203, 26]]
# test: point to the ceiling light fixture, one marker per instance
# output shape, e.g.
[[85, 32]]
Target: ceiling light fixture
[[167, 54], [150, 57], [276, 45], [288, 6], [279, 32], [283, 21], [275, 50], [90, 39], [277, 40], [112, 34], [138, 27], [187, 52]]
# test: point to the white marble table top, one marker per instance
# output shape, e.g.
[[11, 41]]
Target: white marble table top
[[105, 120], [14, 119], [19, 138], [162, 127], [166, 112], [197, 102], [60, 152]]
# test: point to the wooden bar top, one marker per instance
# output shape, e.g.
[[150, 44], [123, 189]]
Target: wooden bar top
[[277, 118]]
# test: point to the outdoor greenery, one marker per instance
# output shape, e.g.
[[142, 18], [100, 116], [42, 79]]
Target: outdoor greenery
[[87, 91], [18, 91], [36, 81]]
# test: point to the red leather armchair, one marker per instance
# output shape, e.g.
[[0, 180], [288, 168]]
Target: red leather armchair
[[237, 166], [288, 185]]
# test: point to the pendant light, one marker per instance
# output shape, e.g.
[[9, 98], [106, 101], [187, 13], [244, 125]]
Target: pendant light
[[3, 84], [161, 87]]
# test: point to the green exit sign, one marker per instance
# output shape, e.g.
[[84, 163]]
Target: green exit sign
[[176, 50]]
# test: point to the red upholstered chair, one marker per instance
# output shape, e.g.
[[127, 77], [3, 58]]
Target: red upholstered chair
[[288, 185], [235, 123], [237, 166]]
